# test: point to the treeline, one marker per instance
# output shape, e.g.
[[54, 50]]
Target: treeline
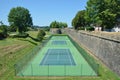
[[100, 13], [20, 21], [56, 24]]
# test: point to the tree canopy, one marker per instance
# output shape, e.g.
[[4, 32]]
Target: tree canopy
[[56, 24], [104, 13], [20, 18], [79, 20], [3, 31]]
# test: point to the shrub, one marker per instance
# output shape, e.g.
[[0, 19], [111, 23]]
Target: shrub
[[47, 29], [3, 31], [40, 35]]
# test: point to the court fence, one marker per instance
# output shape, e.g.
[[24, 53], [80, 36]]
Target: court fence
[[91, 61], [24, 68], [29, 56], [51, 70]]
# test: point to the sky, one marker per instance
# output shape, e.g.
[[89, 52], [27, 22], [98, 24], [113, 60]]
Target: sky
[[43, 12]]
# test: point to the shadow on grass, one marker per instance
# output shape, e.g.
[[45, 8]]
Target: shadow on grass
[[33, 38], [30, 41]]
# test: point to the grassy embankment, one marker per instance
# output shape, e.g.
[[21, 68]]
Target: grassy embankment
[[11, 50]]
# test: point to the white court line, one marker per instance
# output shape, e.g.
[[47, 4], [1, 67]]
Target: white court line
[[69, 57], [46, 57]]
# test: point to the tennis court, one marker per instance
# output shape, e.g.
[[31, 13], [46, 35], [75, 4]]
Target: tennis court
[[59, 57], [59, 42]]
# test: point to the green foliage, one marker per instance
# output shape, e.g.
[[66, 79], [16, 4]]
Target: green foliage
[[79, 20], [12, 28], [20, 17], [102, 13], [90, 28], [108, 18], [56, 24], [3, 31], [40, 35], [47, 29]]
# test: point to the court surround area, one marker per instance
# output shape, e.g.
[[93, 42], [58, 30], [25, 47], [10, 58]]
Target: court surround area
[[59, 57]]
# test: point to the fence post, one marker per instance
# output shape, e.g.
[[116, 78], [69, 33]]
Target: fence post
[[65, 70], [48, 70], [31, 70], [81, 69], [98, 70]]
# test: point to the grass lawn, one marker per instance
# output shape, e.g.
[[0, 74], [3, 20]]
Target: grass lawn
[[13, 49]]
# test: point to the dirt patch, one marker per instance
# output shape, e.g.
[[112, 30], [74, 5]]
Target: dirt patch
[[2, 71], [10, 49]]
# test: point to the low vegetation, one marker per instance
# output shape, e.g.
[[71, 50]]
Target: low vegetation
[[11, 50], [41, 35], [3, 31]]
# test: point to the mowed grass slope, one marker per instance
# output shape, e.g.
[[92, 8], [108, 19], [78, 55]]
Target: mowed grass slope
[[12, 50]]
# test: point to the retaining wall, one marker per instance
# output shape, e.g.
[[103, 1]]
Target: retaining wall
[[105, 48]]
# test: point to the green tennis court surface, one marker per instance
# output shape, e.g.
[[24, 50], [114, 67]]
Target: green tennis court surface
[[59, 42], [59, 57]]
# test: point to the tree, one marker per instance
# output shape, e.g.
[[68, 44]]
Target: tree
[[62, 25], [21, 18], [40, 35], [79, 20], [56, 24], [3, 31], [108, 19], [103, 13], [94, 7]]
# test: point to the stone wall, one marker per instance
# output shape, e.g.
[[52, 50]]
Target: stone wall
[[55, 31], [105, 48]]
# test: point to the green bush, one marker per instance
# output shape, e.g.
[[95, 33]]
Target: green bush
[[3, 31], [40, 35], [47, 29]]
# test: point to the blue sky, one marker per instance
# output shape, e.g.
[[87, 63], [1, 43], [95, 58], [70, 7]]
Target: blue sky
[[43, 12]]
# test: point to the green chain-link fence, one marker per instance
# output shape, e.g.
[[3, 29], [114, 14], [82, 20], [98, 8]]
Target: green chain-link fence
[[21, 64], [88, 58]]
